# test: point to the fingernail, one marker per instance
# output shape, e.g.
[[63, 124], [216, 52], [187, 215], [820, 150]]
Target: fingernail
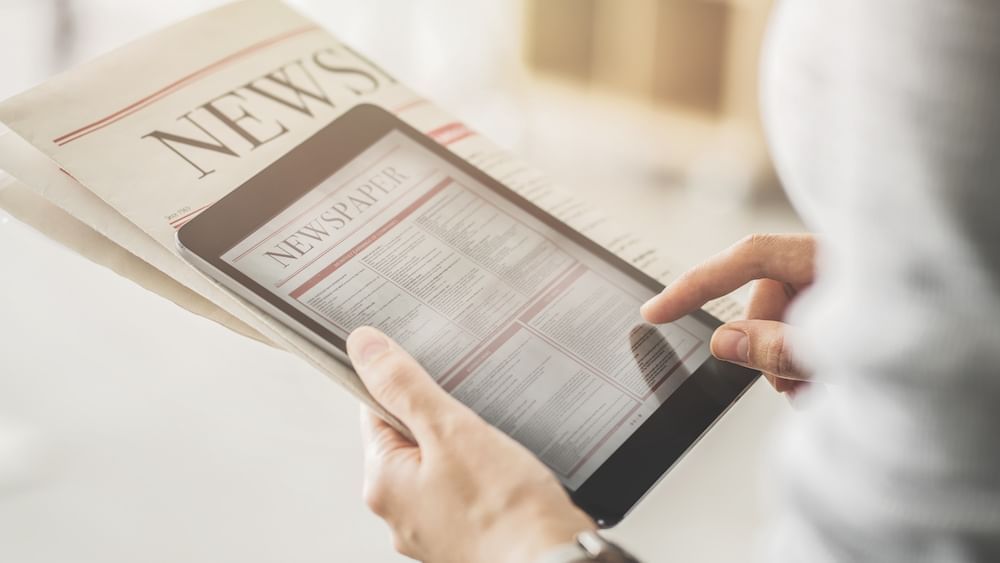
[[644, 309], [731, 345], [370, 344]]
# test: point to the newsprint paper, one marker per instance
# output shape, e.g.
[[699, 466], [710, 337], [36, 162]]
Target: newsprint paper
[[113, 157]]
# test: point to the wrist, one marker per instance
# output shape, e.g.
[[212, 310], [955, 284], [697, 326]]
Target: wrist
[[535, 537]]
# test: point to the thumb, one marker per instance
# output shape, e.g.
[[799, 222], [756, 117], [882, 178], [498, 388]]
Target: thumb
[[398, 382], [761, 345]]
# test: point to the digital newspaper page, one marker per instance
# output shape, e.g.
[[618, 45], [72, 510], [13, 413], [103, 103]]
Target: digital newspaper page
[[537, 334]]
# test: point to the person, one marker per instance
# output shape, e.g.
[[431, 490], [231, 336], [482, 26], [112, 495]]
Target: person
[[884, 121]]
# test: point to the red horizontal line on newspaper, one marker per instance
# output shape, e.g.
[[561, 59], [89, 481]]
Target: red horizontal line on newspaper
[[178, 84], [409, 105], [450, 133], [517, 315], [177, 226], [361, 246], [347, 235], [553, 293], [189, 214]]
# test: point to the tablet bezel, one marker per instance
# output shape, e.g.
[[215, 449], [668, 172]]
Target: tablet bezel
[[635, 467]]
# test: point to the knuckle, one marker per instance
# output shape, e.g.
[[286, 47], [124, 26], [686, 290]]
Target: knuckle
[[388, 380], [754, 244], [752, 248], [764, 241], [746, 243], [742, 248], [695, 282], [375, 451], [778, 358]]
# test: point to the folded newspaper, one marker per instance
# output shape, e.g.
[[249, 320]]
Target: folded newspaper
[[111, 158]]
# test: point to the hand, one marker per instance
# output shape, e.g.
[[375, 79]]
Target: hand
[[783, 265], [464, 492]]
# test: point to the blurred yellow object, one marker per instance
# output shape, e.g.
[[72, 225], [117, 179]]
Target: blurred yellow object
[[693, 57]]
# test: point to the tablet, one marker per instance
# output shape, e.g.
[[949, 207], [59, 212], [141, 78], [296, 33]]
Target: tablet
[[525, 320]]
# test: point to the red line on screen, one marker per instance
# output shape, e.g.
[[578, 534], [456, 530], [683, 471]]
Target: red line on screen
[[350, 254], [317, 204], [346, 235], [481, 355]]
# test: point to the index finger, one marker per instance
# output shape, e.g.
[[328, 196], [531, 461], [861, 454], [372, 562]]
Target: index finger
[[785, 258]]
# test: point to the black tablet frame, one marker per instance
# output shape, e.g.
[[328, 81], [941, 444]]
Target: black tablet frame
[[636, 466]]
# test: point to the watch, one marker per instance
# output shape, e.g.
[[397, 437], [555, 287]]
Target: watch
[[589, 546]]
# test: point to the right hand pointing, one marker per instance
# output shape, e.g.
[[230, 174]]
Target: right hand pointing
[[783, 265]]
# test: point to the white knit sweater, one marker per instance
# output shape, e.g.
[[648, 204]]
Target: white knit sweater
[[884, 120]]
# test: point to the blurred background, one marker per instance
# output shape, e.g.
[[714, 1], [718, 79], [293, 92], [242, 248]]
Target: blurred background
[[114, 447]]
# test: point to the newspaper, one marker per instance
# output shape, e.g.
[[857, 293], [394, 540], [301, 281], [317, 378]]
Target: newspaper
[[136, 143]]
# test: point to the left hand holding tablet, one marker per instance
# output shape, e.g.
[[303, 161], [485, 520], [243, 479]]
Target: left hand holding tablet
[[465, 492]]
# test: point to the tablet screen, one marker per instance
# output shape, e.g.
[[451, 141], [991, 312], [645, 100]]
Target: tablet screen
[[534, 332]]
